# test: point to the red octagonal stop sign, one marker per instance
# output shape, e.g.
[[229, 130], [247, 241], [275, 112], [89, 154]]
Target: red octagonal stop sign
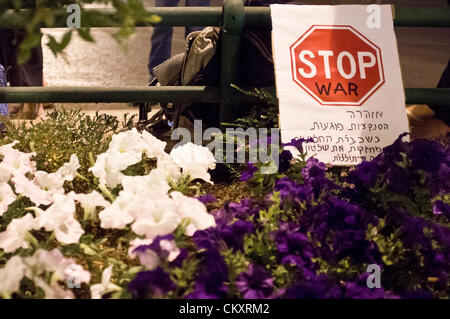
[[336, 65]]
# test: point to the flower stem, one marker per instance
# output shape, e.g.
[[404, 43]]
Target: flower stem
[[81, 177], [106, 192], [91, 159]]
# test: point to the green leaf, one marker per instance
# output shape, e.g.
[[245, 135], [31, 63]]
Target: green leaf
[[88, 250], [56, 46], [85, 34]]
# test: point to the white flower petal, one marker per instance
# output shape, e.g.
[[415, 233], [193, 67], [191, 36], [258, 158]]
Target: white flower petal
[[195, 160], [68, 171], [14, 235], [7, 197], [193, 210]]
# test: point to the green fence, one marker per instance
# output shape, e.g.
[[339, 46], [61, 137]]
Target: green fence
[[232, 17]]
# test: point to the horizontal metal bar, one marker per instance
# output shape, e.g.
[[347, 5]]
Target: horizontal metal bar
[[404, 16], [438, 97], [422, 16], [133, 94], [200, 94], [212, 16], [187, 16], [170, 16]]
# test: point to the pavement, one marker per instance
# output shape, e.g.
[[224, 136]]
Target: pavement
[[424, 53]]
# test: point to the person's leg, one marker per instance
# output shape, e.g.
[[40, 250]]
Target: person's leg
[[3, 106], [161, 40], [27, 74], [196, 3]]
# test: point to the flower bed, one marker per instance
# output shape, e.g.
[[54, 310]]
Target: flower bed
[[88, 210]]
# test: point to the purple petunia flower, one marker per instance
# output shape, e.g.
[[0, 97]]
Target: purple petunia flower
[[314, 175], [426, 155], [207, 198], [317, 287], [155, 245], [314, 168], [255, 283], [285, 161], [292, 191], [294, 247], [398, 179], [249, 172], [298, 143], [209, 239], [392, 153], [439, 207], [358, 290], [418, 294], [213, 273], [155, 283], [365, 175], [243, 210], [224, 236], [233, 234]]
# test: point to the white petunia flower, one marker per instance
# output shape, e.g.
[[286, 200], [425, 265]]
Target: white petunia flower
[[152, 185], [77, 274], [8, 148], [53, 261], [51, 183], [98, 290], [7, 197], [194, 211], [171, 170], [29, 189], [5, 176], [47, 261], [59, 217], [53, 291], [170, 248], [68, 171], [108, 169], [151, 259], [127, 148], [90, 201], [155, 217], [15, 234], [10, 276], [153, 147], [18, 163], [118, 215], [195, 160], [34, 267]]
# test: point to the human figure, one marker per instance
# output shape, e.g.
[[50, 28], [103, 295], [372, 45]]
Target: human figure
[[3, 106], [162, 36], [27, 74]]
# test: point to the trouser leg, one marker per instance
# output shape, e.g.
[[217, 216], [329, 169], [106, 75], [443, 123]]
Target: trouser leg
[[196, 3], [161, 41]]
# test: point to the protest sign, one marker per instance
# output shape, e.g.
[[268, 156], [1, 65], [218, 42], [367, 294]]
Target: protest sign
[[338, 79]]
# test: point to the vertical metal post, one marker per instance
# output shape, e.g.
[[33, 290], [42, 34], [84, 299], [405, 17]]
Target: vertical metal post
[[233, 23]]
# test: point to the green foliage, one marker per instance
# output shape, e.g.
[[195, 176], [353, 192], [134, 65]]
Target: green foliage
[[259, 246], [184, 277], [344, 269], [237, 263], [264, 113], [65, 133], [15, 210], [48, 14]]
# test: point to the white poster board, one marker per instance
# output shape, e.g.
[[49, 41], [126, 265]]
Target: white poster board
[[338, 79]]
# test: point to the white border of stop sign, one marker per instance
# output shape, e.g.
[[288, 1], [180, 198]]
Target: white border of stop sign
[[339, 27]]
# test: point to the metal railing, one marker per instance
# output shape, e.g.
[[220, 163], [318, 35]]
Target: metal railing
[[232, 17]]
